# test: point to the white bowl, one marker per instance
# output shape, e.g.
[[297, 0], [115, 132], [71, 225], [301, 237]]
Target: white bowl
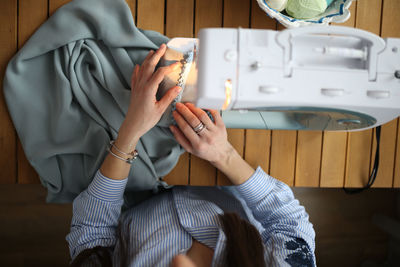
[[337, 12]]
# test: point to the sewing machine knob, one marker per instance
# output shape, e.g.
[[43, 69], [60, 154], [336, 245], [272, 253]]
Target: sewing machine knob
[[230, 55], [332, 92], [256, 65], [269, 89], [378, 94]]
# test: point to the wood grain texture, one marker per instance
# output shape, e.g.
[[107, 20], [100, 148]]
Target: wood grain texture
[[179, 18], [150, 15], [55, 4], [32, 13], [180, 174], [333, 159], [308, 158], [396, 179], [334, 146], [358, 158], [179, 23], [132, 7], [283, 155], [390, 28], [366, 21], [236, 14], [208, 13], [283, 151], [258, 148], [387, 153], [8, 46], [258, 142], [236, 138], [259, 19]]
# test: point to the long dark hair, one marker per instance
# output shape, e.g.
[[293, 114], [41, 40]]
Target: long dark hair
[[244, 246]]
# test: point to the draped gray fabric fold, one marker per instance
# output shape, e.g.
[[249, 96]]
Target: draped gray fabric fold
[[68, 90]]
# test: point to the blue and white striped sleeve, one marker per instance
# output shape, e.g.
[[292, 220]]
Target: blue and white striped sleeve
[[288, 235], [95, 214]]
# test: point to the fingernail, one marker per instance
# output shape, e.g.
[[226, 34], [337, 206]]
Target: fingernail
[[178, 89]]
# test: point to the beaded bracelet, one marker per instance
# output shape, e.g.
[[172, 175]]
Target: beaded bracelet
[[134, 153]]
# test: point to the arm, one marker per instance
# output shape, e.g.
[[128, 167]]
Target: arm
[[287, 230], [96, 210], [288, 235]]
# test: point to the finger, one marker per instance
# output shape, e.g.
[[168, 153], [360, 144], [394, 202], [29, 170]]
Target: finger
[[188, 115], [166, 100], [201, 115], [186, 129], [159, 75], [217, 117], [151, 52], [151, 63], [134, 76], [180, 137]]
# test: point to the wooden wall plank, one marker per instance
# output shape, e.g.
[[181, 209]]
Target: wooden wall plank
[[333, 159], [208, 14], [283, 155], [258, 148], [55, 4], [283, 150], [389, 28], [179, 23], [179, 18], [32, 13], [396, 179], [357, 150], [150, 15], [236, 14], [8, 46], [334, 144], [258, 142], [387, 153], [308, 158], [259, 19], [358, 158], [132, 5]]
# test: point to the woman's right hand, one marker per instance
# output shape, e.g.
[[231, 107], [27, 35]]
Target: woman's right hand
[[211, 143]]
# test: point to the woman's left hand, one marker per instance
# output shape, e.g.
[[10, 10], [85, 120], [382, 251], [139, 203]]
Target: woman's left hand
[[144, 110]]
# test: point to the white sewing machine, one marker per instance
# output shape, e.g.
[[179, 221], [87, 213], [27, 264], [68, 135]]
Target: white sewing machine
[[310, 78]]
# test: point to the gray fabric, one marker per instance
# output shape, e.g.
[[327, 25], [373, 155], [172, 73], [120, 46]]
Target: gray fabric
[[68, 90]]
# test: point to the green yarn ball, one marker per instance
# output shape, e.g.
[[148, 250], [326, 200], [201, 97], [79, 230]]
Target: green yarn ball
[[305, 9]]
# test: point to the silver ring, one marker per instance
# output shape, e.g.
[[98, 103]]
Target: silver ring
[[200, 127]]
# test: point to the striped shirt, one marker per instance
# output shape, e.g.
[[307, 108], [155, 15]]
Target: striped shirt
[[165, 225]]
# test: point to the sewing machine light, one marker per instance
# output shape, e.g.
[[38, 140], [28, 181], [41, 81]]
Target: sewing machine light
[[228, 94]]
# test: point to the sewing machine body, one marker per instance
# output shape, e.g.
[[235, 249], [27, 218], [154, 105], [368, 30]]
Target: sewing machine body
[[300, 79]]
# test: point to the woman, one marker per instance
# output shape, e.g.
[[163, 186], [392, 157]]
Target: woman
[[256, 222]]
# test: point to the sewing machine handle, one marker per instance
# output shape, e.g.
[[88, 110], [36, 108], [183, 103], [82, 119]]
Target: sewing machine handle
[[375, 43]]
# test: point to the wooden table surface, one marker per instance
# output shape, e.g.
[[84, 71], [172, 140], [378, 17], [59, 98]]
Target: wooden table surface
[[298, 158]]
